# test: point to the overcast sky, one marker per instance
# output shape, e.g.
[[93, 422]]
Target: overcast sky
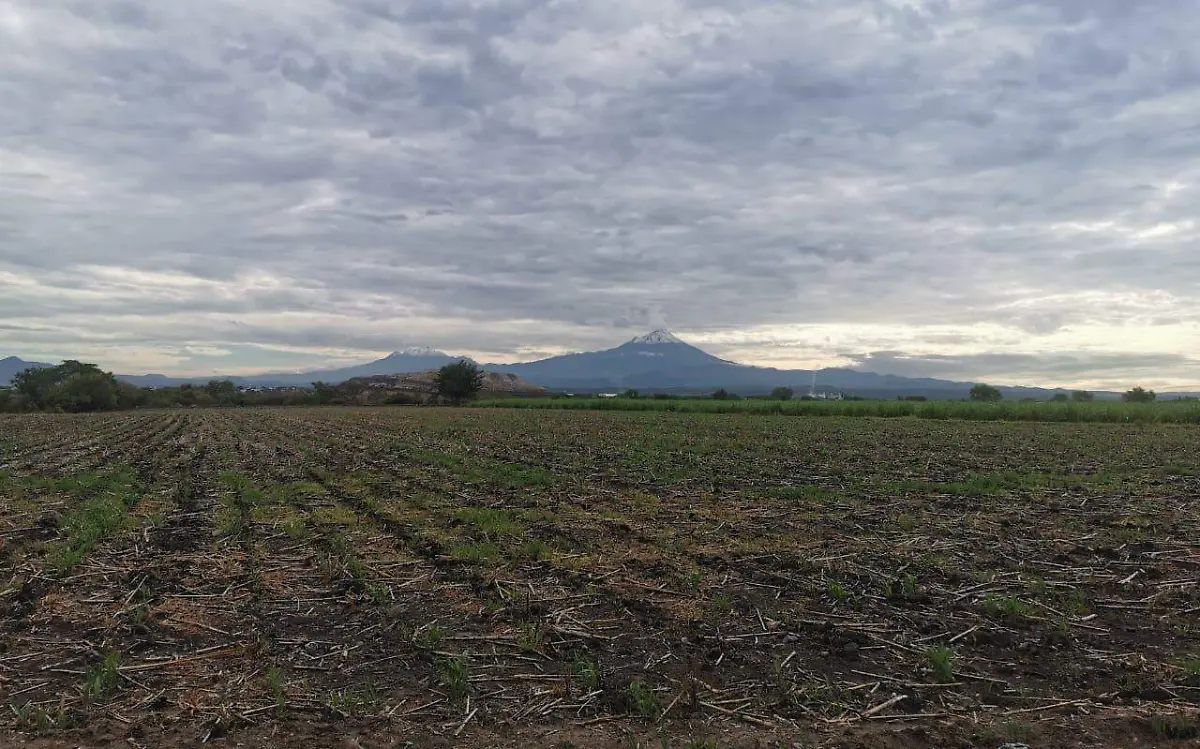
[[977, 189]]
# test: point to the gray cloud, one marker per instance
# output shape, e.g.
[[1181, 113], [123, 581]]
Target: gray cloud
[[352, 175], [1111, 370]]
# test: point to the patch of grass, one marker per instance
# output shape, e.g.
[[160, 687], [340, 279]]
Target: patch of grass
[[1175, 727], [489, 521], [1017, 732], [783, 684], [295, 528], [103, 678], [473, 553], [588, 672], [1177, 469], [1074, 602], [993, 484], [380, 593], [1191, 671], [1008, 608], [234, 481], [1063, 629], [723, 604], [277, 687], [334, 515], [37, 719], [455, 677], [905, 523], [532, 638], [340, 562], [429, 638], [534, 550], [643, 700], [232, 523], [807, 494], [95, 520], [837, 592], [904, 588], [941, 661], [355, 702]]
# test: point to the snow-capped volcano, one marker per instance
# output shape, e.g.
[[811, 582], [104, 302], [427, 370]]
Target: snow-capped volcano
[[419, 351], [655, 337]]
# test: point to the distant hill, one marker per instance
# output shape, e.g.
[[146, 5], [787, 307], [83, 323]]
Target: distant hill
[[655, 362], [422, 387], [11, 366], [398, 362], [660, 361]]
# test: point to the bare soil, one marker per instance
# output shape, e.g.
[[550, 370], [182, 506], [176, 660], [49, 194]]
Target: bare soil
[[437, 577]]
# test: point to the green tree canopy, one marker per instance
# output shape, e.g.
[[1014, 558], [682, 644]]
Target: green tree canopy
[[1082, 396], [71, 386], [986, 394], [223, 392], [459, 382], [1139, 395], [324, 393], [782, 394]]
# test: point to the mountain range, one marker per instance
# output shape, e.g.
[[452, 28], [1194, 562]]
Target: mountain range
[[10, 366], [656, 362]]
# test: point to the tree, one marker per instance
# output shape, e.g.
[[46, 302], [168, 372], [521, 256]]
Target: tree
[[323, 393], [1082, 396], [71, 386], [722, 395], [459, 382], [1060, 398], [782, 394], [1139, 395], [35, 385], [986, 394], [631, 394], [223, 392]]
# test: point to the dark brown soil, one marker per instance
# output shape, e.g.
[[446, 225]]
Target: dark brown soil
[[435, 577]]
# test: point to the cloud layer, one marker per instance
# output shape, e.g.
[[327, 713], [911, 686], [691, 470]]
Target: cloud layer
[[975, 188]]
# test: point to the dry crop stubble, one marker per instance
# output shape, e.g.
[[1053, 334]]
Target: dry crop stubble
[[514, 576]]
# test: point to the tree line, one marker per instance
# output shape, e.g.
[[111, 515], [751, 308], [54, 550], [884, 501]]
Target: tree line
[[76, 387], [990, 394]]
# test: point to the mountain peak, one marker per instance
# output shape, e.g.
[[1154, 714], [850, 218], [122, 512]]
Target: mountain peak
[[655, 337], [417, 351]]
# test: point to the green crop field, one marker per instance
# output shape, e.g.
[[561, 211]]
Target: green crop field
[[1104, 412], [578, 578]]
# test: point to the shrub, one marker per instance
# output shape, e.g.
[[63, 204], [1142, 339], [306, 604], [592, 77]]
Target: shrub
[[1139, 395], [986, 394], [459, 382]]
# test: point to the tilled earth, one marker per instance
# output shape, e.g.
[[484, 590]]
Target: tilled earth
[[439, 577]]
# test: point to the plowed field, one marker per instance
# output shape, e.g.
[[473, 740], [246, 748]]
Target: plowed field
[[438, 577]]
